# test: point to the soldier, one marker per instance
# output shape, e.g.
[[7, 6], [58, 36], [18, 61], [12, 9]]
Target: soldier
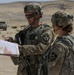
[[61, 55], [33, 41]]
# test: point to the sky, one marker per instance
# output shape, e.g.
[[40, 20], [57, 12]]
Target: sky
[[7, 1]]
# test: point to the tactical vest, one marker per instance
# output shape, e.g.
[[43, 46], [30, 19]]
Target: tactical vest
[[68, 63], [35, 36]]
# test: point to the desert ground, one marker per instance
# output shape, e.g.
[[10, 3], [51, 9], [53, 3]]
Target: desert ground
[[13, 15]]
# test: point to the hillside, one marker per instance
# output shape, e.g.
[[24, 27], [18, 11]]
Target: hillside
[[13, 15]]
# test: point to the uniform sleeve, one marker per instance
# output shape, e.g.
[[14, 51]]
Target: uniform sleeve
[[15, 60], [46, 39], [58, 52]]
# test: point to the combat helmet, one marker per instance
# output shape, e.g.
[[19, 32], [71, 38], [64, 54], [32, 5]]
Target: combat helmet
[[62, 19], [33, 7]]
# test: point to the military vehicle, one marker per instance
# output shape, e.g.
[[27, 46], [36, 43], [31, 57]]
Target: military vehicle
[[3, 25]]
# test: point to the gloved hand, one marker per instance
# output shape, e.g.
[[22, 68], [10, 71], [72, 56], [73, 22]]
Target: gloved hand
[[9, 39]]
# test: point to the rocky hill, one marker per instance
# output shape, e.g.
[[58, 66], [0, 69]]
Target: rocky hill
[[13, 15], [13, 12]]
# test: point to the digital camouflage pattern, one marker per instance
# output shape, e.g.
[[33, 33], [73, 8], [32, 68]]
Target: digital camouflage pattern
[[34, 43], [62, 19], [61, 57], [33, 7]]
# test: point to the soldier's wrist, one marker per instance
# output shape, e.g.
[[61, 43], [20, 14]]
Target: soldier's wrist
[[20, 49]]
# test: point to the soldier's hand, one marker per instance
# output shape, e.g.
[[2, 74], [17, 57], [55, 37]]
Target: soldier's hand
[[20, 48], [9, 39]]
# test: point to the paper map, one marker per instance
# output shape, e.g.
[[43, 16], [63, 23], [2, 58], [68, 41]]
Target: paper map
[[8, 48]]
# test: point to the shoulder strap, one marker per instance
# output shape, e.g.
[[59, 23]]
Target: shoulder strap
[[67, 40], [42, 27]]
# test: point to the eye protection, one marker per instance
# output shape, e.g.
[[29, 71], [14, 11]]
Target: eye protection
[[29, 15]]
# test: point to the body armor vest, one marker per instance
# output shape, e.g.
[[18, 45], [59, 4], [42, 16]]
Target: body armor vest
[[32, 37]]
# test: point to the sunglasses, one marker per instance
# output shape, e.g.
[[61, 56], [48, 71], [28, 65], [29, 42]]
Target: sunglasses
[[29, 15]]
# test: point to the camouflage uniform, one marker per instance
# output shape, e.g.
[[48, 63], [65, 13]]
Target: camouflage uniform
[[61, 55], [34, 42]]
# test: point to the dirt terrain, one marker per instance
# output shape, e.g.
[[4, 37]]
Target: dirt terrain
[[12, 14], [6, 66]]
